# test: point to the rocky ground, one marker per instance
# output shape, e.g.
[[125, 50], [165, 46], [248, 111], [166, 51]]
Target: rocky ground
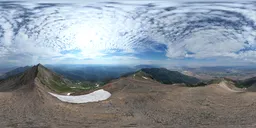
[[134, 103]]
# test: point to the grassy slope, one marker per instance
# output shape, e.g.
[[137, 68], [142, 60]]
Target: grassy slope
[[246, 83], [60, 84], [170, 77]]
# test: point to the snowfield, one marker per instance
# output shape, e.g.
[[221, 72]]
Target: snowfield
[[95, 96]]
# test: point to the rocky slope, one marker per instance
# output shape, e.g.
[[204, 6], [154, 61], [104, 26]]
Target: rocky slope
[[134, 102]]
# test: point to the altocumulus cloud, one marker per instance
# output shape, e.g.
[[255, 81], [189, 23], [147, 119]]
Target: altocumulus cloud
[[90, 32]]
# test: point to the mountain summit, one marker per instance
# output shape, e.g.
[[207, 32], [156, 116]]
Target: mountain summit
[[38, 76]]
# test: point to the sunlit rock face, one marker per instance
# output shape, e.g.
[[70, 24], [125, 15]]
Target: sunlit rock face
[[125, 30]]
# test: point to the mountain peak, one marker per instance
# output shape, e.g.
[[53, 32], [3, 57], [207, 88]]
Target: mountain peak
[[39, 65], [36, 69], [31, 74], [37, 76]]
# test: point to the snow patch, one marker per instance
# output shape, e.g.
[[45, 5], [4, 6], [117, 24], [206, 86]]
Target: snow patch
[[95, 96], [144, 77]]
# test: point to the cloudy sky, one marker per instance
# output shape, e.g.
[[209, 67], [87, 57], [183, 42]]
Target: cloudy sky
[[161, 32]]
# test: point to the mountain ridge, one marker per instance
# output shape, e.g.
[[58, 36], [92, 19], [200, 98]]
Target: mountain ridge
[[38, 75], [164, 76]]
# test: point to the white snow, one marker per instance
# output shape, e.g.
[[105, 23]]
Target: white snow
[[68, 94], [97, 85], [95, 96], [144, 77]]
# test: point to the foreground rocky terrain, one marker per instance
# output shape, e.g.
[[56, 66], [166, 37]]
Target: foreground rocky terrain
[[134, 102]]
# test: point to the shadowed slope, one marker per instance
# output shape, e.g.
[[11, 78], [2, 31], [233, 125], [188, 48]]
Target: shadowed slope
[[169, 77], [164, 76], [250, 84], [37, 75]]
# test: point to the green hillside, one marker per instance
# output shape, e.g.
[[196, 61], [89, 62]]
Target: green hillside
[[170, 77]]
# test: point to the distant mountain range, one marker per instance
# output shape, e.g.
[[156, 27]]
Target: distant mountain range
[[41, 76], [233, 72], [90, 75], [138, 67], [103, 74], [14, 72], [165, 76]]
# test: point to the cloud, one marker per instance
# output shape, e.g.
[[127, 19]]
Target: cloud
[[40, 32]]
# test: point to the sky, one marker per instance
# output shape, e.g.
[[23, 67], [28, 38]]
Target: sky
[[176, 33]]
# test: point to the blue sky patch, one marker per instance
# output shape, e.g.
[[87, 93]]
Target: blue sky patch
[[152, 55], [73, 51], [245, 49]]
